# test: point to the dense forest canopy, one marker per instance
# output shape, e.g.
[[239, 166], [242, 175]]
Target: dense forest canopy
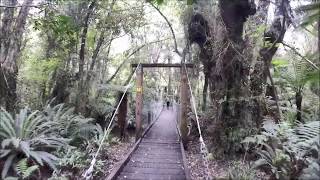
[[66, 74]]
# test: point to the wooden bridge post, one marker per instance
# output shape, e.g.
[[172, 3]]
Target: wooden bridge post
[[183, 125], [139, 102]]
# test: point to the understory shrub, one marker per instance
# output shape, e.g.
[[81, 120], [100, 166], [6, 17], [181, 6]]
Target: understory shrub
[[28, 135], [287, 152], [37, 136], [241, 171]]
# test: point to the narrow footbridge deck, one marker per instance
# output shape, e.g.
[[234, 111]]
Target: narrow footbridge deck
[[157, 155]]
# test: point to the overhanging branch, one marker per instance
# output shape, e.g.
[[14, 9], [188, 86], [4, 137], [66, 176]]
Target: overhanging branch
[[131, 54], [170, 26], [303, 57]]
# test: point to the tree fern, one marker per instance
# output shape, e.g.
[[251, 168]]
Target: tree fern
[[312, 12]]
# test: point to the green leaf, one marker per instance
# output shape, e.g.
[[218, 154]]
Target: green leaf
[[260, 162], [313, 76], [279, 62], [30, 170], [7, 165], [249, 140], [11, 178], [190, 2], [160, 1]]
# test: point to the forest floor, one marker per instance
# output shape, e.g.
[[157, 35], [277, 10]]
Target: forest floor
[[218, 168], [116, 153], [197, 169], [110, 155]]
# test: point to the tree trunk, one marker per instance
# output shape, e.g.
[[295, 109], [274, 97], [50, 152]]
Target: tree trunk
[[99, 44], [229, 79], [84, 39], [11, 40], [229, 58], [205, 92], [122, 115], [82, 98], [299, 105], [6, 28], [272, 36], [183, 124], [60, 91]]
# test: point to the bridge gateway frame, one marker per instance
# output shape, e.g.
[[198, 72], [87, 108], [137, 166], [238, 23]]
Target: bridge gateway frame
[[183, 125]]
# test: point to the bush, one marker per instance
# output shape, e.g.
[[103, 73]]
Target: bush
[[74, 127], [37, 135], [288, 152], [241, 171], [28, 135]]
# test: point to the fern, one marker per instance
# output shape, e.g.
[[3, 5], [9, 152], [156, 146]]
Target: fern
[[241, 171], [304, 138], [69, 125], [24, 170], [27, 135], [312, 13], [283, 148]]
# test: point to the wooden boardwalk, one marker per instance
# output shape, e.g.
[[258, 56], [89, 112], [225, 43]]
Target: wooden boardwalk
[[158, 155]]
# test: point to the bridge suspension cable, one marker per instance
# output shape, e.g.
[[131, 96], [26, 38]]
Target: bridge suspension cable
[[88, 173], [203, 148]]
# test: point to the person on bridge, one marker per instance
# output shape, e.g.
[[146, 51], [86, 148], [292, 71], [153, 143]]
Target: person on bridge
[[168, 104]]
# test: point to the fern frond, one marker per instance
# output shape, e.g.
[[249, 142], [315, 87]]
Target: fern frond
[[7, 125], [29, 171], [24, 170], [304, 138], [313, 12], [7, 165]]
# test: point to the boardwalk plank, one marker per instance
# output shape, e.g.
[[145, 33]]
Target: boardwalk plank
[[155, 156], [159, 155], [156, 165], [160, 160], [134, 176], [154, 171]]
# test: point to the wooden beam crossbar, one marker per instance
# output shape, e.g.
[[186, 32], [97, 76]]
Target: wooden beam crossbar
[[162, 65]]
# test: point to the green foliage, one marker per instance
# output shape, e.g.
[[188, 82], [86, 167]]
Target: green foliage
[[29, 135], [288, 151], [312, 13], [259, 31], [24, 170], [69, 125], [234, 137], [77, 160], [159, 2], [73, 158], [276, 161], [295, 74], [279, 62], [34, 135], [62, 26], [241, 171], [38, 71]]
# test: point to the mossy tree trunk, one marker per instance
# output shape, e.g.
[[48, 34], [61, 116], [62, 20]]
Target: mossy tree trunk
[[229, 59], [10, 50]]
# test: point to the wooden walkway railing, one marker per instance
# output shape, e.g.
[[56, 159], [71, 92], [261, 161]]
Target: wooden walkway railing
[[159, 154]]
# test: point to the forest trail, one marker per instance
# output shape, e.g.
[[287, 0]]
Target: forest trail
[[159, 155]]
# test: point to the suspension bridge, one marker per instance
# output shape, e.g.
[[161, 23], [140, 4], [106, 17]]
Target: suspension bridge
[[159, 154], [159, 149]]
